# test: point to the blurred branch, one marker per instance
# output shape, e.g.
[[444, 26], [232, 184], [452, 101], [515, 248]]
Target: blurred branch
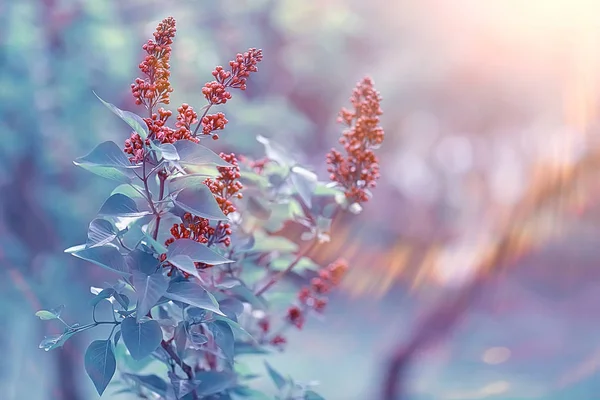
[[550, 191]]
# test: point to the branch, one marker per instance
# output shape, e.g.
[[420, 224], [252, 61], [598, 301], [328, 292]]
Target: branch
[[275, 278]]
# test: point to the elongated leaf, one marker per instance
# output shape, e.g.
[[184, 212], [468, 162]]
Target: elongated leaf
[[213, 382], [196, 154], [179, 182], [129, 190], [100, 233], [120, 205], [142, 338], [181, 386], [55, 341], [111, 173], [133, 120], [149, 288], [237, 328], [275, 151], [197, 252], [168, 151], [105, 294], [200, 201], [190, 293], [46, 315], [141, 261], [250, 394], [276, 377], [185, 263], [311, 395], [305, 182], [106, 154], [107, 256], [181, 338], [151, 382], [224, 338], [100, 363]]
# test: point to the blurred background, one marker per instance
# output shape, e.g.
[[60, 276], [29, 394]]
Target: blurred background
[[489, 170]]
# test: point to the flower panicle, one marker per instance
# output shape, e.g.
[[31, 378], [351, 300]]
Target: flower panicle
[[314, 296], [155, 87], [357, 171], [225, 187], [216, 92]]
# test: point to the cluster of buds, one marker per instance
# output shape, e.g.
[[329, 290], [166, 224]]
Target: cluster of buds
[[155, 87], [313, 296], [358, 170], [227, 185], [158, 130], [216, 92], [224, 187]]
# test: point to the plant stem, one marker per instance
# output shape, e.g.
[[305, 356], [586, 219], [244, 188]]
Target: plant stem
[[275, 278], [207, 107], [186, 368], [161, 194]]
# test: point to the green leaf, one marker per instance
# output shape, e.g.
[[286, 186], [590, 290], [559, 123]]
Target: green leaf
[[196, 154], [122, 206], [224, 338], [200, 201], [106, 154], [275, 152], [141, 261], [108, 172], [150, 382], [129, 190], [179, 182], [237, 328], [166, 151], [100, 363], [276, 377], [305, 182], [55, 341], [196, 251], [107, 256], [149, 288], [248, 393], [45, 315], [213, 382], [100, 232], [104, 294], [193, 294], [305, 263], [258, 208], [264, 243], [133, 120], [310, 395], [248, 295], [181, 387], [142, 338]]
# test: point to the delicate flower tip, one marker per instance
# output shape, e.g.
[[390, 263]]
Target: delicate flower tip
[[359, 168], [156, 88]]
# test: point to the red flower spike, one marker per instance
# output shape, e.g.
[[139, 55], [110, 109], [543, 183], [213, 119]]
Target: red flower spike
[[224, 187], [155, 87], [358, 170]]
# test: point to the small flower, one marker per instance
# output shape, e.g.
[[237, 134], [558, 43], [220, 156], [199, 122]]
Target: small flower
[[296, 317], [278, 340], [213, 122]]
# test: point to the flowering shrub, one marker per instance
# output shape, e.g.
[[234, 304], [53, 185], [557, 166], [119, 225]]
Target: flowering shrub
[[192, 236]]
